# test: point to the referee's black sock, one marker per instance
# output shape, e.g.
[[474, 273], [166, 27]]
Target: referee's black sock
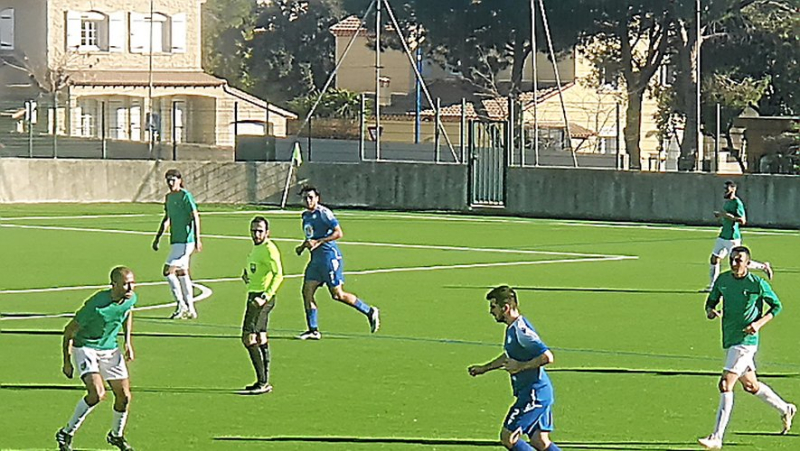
[[258, 363], [265, 358]]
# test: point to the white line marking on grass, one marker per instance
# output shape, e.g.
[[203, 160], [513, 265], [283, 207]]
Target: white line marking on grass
[[361, 272], [146, 215], [352, 243], [205, 293], [667, 228]]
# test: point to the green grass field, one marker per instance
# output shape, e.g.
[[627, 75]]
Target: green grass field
[[636, 362]]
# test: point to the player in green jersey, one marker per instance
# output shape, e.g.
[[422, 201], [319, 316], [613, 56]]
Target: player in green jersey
[[263, 274], [743, 297], [732, 217], [183, 220], [90, 339]]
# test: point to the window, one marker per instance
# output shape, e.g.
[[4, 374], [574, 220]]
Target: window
[[608, 77], [87, 31], [87, 114], [7, 29], [666, 74], [552, 139], [149, 33]]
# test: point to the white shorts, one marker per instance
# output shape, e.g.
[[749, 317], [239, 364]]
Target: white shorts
[[722, 247], [740, 359], [179, 254], [109, 363]]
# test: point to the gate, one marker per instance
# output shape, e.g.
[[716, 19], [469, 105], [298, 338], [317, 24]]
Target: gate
[[488, 149]]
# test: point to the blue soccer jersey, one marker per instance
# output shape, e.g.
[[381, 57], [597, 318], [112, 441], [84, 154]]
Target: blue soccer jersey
[[523, 344], [318, 224]]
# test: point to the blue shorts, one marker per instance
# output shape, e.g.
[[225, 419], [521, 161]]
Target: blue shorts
[[328, 269], [529, 416]]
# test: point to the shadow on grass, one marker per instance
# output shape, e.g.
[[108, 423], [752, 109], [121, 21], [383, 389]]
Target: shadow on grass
[[662, 372], [589, 290], [135, 389], [610, 445], [159, 335], [765, 434]]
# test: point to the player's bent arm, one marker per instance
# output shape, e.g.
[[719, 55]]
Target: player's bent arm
[[163, 227], [336, 235], [127, 329], [543, 359], [66, 346]]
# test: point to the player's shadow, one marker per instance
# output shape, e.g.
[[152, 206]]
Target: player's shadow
[[662, 372], [766, 434], [588, 290], [154, 335], [80, 388], [610, 445]]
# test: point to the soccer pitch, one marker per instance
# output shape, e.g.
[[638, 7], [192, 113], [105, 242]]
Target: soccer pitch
[[636, 362]]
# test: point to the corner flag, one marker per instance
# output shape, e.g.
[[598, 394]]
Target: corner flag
[[297, 157]]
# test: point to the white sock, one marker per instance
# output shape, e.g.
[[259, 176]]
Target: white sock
[[188, 291], [756, 265], [118, 423], [713, 273], [723, 413], [175, 286], [82, 410], [766, 394]]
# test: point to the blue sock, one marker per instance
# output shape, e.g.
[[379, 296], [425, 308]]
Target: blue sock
[[522, 445], [311, 319], [553, 447], [362, 307]]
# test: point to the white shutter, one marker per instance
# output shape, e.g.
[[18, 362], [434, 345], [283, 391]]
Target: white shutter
[[73, 30], [7, 29], [139, 33], [179, 33], [117, 30]]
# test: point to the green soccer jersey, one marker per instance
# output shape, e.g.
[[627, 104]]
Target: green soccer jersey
[[742, 303], [730, 229], [180, 207], [264, 269], [100, 320]]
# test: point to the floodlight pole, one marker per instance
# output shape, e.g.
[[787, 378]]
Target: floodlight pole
[[378, 81], [418, 97], [535, 87], [151, 123], [698, 43]]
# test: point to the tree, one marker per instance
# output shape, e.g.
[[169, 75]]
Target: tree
[[292, 50], [227, 26]]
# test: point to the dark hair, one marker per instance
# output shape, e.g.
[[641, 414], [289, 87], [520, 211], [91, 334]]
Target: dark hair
[[119, 271], [503, 295], [174, 173], [741, 250], [260, 219], [307, 188], [730, 183]]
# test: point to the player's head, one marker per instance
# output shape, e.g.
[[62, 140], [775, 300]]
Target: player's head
[[740, 257], [174, 179], [122, 283], [730, 189], [502, 300], [259, 229], [310, 195]]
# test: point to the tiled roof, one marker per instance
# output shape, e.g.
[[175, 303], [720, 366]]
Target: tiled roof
[[142, 78]]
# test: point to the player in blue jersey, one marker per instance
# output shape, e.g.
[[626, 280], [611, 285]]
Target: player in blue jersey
[[326, 266], [524, 358], [91, 340]]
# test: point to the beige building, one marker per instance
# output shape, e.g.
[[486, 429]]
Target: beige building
[[126, 74], [594, 104]]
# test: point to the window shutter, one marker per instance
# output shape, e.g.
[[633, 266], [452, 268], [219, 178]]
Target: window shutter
[[73, 30], [7, 29], [117, 30], [139, 33], [179, 33]]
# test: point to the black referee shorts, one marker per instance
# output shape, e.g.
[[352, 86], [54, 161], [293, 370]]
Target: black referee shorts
[[255, 317]]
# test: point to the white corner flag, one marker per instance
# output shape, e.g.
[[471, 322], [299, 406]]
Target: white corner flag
[[297, 157]]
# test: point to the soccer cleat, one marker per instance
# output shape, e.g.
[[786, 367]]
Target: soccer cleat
[[710, 442], [788, 417], [178, 314], [119, 442], [374, 320], [189, 314], [310, 335], [258, 389], [64, 441], [768, 270]]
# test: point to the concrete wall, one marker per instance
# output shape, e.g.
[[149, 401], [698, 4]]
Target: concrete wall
[[34, 180], [647, 196], [539, 192]]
